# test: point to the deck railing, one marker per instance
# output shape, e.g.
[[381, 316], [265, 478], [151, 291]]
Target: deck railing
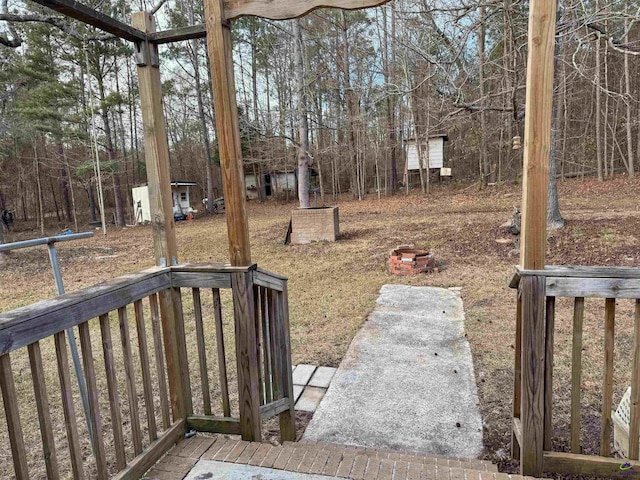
[[533, 386], [156, 362]]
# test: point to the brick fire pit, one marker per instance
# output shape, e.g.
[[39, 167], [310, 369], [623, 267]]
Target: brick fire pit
[[406, 260]]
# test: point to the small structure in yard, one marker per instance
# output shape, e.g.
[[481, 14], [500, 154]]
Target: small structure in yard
[[179, 195], [436, 152], [273, 184], [314, 225], [407, 260]]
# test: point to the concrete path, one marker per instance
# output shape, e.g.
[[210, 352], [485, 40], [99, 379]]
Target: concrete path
[[407, 381], [212, 470]]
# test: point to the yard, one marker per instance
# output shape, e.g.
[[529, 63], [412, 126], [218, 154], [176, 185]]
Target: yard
[[332, 286]]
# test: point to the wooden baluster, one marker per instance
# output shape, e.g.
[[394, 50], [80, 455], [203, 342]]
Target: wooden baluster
[[132, 397], [10, 401], [222, 359], [607, 382], [147, 386], [247, 361], [266, 346], [548, 373], [157, 347], [276, 352], [288, 417], [202, 351], [517, 376], [257, 323], [112, 390], [533, 350], [67, 406], [634, 423], [576, 373], [94, 405], [181, 344], [44, 416]]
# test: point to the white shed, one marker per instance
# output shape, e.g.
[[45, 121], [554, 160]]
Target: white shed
[[436, 152], [179, 194]]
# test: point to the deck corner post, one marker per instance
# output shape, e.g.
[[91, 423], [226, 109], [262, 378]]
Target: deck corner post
[[288, 417], [532, 391], [246, 355]]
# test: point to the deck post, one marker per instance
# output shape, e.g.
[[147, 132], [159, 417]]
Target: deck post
[[533, 242], [156, 150], [228, 129]]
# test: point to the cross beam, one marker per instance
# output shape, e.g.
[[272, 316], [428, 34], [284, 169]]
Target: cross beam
[[88, 15]]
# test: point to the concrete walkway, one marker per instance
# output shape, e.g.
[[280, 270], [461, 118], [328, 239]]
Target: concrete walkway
[[407, 381]]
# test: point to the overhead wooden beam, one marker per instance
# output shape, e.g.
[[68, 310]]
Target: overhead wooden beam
[[286, 9], [537, 133], [178, 34], [92, 17], [228, 129]]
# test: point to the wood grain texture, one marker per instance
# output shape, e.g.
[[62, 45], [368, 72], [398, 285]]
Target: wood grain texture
[[288, 417], [582, 271], [246, 356], [145, 366], [112, 391], [99, 451], [222, 358], [211, 424], [591, 466], [156, 152], [517, 376], [68, 408], [593, 287], [286, 9], [42, 406], [35, 322], [537, 133], [160, 370], [130, 381], [548, 372], [576, 373], [228, 130], [268, 280], [202, 351], [533, 362], [634, 421], [181, 344], [266, 345], [12, 418], [606, 426], [201, 279], [176, 393]]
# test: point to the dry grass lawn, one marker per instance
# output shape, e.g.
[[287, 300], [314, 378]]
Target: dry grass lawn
[[333, 286]]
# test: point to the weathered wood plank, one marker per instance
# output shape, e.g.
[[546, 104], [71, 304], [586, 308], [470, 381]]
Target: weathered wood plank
[[222, 358], [181, 344], [576, 373], [286, 9], [130, 381], [268, 280], [275, 408], [201, 279], [582, 271], [67, 406], [112, 391], [22, 326], [225, 425], [259, 340], [634, 421], [537, 139], [517, 376], [247, 361], [160, 370], [99, 452], [145, 365], [153, 453], [548, 372], [176, 393], [517, 429], [593, 287], [266, 345], [588, 465], [607, 382], [533, 361], [42, 406], [202, 351], [276, 346], [288, 417], [12, 417]]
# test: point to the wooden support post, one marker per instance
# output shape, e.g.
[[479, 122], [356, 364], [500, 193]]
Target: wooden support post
[[227, 127], [246, 355], [156, 147], [537, 133], [533, 374], [288, 417], [517, 377]]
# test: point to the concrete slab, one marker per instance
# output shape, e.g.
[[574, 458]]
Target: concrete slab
[[297, 391], [407, 380], [212, 470], [302, 374], [310, 399], [322, 377]]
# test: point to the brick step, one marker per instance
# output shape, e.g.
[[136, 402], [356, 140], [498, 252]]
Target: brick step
[[329, 460]]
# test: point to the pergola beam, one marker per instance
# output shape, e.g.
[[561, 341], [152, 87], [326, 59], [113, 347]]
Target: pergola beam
[[178, 34], [92, 17]]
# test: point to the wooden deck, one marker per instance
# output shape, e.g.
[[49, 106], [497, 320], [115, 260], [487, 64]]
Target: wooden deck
[[330, 460]]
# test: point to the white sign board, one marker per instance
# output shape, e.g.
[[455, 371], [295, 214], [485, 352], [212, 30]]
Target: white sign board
[[445, 172], [436, 153]]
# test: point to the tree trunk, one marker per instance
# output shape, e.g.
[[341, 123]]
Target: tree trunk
[[303, 124]]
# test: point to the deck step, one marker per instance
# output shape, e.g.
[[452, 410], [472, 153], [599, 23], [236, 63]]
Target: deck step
[[337, 461]]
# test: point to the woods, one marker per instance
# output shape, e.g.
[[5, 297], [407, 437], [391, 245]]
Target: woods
[[330, 98]]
